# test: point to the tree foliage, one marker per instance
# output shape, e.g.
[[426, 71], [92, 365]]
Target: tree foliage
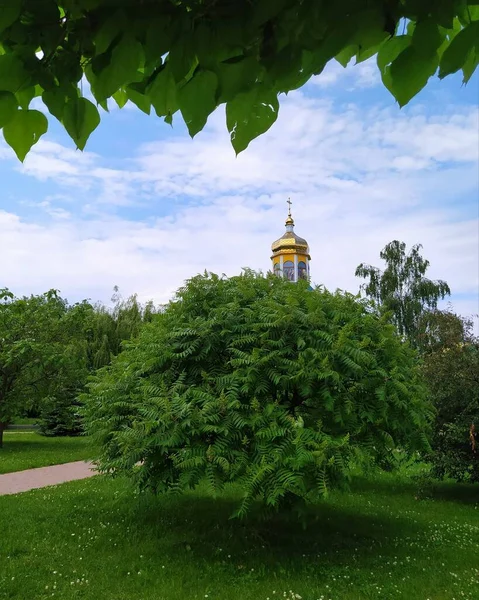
[[34, 349], [48, 348], [402, 288], [451, 369], [255, 381], [189, 56]]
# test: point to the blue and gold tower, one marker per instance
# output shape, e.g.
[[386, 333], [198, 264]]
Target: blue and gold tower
[[291, 253]]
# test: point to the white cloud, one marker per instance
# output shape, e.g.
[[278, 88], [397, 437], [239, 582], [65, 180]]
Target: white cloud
[[358, 180], [356, 76]]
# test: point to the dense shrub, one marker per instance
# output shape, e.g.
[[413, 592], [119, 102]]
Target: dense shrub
[[257, 381]]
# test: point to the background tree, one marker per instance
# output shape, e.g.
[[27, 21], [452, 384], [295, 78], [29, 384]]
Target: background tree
[[48, 349], [451, 369], [256, 381], [31, 348], [189, 56], [402, 288]]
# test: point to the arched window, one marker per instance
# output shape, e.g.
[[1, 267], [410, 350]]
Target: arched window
[[277, 269], [302, 270], [288, 270]]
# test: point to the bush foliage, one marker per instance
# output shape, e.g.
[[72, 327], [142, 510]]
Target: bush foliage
[[260, 382]]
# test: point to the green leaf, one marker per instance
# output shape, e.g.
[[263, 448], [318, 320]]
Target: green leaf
[[8, 107], [25, 96], [162, 93], [462, 46], [121, 98], [197, 100], [138, 98], [346, 55], [427, 38], [126, 59], [109, 31], [55, 99], [409, 73], [182, 58], [369, 33], [391, 49], [13, 74], [24, 130], [80, 118], [236, 76], [470, 65], [250, 114], [9, 12]]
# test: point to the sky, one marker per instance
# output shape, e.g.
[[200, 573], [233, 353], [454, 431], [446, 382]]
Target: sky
[[145, 207]]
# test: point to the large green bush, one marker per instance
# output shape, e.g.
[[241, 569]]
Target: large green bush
[[257, 381]]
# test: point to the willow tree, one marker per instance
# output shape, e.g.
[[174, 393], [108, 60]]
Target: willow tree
[[256, 381], [189, 56], [402, 289]]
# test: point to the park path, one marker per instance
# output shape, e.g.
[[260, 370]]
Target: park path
[[23, 481]]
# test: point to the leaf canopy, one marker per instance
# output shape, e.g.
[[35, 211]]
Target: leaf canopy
[[193, 55]]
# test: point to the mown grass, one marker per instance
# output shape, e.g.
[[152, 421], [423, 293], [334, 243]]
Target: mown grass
[[26, 450], [98, 539]]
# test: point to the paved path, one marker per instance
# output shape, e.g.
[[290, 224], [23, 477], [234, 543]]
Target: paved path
[[22, 481]]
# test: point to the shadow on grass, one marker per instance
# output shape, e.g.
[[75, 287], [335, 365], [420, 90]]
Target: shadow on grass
[[202, 526], [421, 488]]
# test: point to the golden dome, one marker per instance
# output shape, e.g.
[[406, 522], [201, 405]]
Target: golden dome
[[289, 241]]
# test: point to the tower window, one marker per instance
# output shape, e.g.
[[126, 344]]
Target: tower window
[[302, 270], [277, 269], [288, 270]]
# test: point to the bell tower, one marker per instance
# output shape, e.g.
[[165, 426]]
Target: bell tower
[[291, 253]]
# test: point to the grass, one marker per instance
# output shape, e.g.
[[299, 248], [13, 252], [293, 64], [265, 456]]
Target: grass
[[25, 421], [99, 539], [28, 450]]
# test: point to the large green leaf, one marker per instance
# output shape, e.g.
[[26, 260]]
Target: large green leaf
[[25, 96], [24, 130], [9, 12], [120, 97], [126, 59], [391, 49], [236, 76], [138, 97], [8, 107], [55, 99], [80, 118], [110, 30], [459, 51], [250, 114], [13, 74], [427, 38], [197, 100], [410, 72], [162, 93]]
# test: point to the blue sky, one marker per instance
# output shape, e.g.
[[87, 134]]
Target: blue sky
[[144, 207]]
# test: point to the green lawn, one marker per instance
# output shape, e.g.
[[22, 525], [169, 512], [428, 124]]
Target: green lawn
[[98, 539], [28, 450]]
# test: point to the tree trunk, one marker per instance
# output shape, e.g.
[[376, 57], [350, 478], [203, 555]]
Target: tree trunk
[[3, 426]]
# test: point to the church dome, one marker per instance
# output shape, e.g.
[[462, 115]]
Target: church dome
[[290, 240], [291, 253]]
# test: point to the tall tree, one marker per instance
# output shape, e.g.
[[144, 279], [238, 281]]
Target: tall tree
[[402, 288], [189, 56], [451, 369]]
